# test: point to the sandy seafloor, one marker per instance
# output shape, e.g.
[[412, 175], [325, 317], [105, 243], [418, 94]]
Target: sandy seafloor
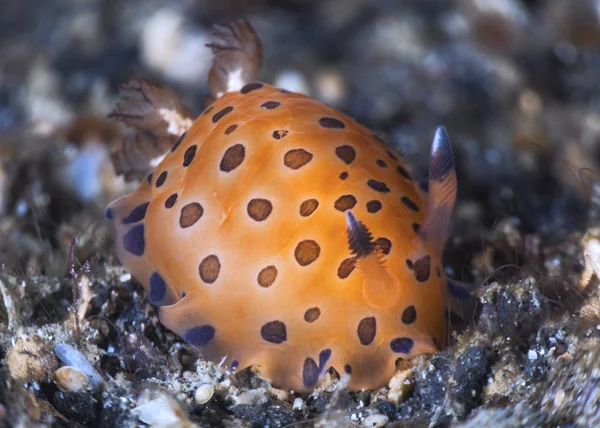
[[517, 84]]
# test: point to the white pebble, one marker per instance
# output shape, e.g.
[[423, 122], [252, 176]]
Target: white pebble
[[298, 404], [532, 355], [125, 277], [204, 393]]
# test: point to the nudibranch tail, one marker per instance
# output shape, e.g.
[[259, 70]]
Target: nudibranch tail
[[237, 57], [380, 290], [441, 193]]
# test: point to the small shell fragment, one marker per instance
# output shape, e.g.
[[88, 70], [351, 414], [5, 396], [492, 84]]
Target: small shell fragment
[[72, 357], [204, 393], [69, 378]]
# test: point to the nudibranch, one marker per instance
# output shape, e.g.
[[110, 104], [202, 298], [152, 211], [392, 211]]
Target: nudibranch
[[279, 232]]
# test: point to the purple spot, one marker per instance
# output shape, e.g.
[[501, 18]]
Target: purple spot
[[170, 202], [389, 153], [108, 214], [331, 122], [367, 328], [409, 315], [404, 173], [310, 373], [221, 113], [189, 155], [158, 288], [234, 365], [200, 336], [137, 214], [161, 179], [274, 332], [270, 105], [410, 204], [402, 345], [252, 86], [133, 240], [178, 142], [348, 368], [324, 356], [379, 186]]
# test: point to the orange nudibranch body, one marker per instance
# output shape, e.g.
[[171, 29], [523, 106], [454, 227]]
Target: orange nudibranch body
[[279, 232]]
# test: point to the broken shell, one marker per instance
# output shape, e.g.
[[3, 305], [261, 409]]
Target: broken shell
[[69, 378], [72, 357], [204, 393]]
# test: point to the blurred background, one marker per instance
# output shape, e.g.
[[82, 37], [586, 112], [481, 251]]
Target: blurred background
[[516, 82]]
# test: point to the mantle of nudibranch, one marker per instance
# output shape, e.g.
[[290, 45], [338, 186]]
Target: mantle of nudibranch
[[241, 236]]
